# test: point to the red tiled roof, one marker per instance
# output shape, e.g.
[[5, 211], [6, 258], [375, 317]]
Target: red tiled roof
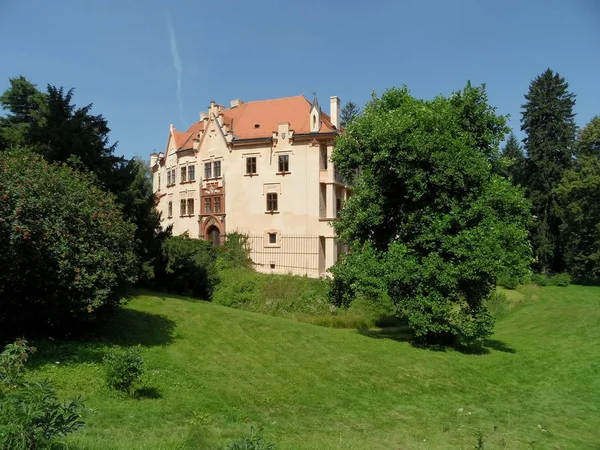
[[268, 114]]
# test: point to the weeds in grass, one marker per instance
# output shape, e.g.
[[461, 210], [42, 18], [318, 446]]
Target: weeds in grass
[[252, 441]]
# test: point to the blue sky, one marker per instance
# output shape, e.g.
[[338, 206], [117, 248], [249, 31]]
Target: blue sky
[[122, 54]]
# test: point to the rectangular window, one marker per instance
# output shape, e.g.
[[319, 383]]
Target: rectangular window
[[217, 168], [207, 206], [182, 207], [217, 205], [323, 158], [190, 206], [338, 206], [271, 201], [170, 209], [251, 165], [272, 238], [159, 181], [207, 170], [183, 176], [192, 172], [168, 178], [284, 163], [173, 176]]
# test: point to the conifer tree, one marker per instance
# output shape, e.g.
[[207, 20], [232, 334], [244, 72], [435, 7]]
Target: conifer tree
[[514, 161], [549, 122]]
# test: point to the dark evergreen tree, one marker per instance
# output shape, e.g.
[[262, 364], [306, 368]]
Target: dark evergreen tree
[[22, 101], [349, 112], [513, 161], [549, 122]]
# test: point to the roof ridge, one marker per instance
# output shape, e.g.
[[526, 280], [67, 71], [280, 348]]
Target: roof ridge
[[268, 100]]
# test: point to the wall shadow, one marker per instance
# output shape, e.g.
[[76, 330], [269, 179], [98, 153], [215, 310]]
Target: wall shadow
[[127, 327]]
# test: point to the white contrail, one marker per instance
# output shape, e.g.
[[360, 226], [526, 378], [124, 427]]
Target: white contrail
[[177, 64]]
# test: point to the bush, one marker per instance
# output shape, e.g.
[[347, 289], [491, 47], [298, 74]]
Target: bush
[[560, 279], [31, 417], [12, 361], [188, 267], [253, 441], [497, 304], [235, 252], [124, 368], [67, 253]]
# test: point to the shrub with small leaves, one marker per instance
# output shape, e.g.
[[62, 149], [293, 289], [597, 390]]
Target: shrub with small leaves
[[12, 361], [124, 368], [560, 279]]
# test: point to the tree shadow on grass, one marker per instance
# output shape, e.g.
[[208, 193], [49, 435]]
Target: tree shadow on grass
[[127, 327], [402, 333], [147, 392]]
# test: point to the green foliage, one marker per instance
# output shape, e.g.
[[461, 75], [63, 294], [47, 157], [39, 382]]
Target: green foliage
[[67, 253], [124, 368], [31, 417], [188, 267], [514, 163], [559, 279], [429, 224], [252, 441], [549, 122], [588, 141], [12, 361], [235, 252], [578, 199], [50, 124], [349, 112], [497, 304]]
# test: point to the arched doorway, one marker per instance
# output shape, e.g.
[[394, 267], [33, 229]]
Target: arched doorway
[[214, 235]]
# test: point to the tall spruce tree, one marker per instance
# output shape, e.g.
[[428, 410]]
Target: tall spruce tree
[[514, 161], [549, 122], [349, 112]]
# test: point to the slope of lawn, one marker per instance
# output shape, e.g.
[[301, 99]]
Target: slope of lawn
[[211, 369]]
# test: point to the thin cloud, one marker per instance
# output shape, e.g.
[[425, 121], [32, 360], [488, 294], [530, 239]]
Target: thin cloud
[[177, 64]]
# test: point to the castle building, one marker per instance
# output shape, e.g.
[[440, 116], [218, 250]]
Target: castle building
[[261, 168]]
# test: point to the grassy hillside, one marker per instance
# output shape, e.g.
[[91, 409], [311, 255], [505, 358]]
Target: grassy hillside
[[213, 368]]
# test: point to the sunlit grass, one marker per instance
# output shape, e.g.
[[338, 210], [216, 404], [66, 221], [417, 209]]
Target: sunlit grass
[[211, 369]]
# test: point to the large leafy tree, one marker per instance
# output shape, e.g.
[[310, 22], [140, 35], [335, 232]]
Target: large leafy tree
[[578, 196], [514, 163], [429, 223], [588, 142], [349, 112], [549, 122], [52, 125], [67, 253]]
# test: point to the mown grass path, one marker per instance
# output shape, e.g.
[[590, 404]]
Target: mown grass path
[[211, 368]]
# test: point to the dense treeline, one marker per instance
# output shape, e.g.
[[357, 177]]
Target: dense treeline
[[77, 223]]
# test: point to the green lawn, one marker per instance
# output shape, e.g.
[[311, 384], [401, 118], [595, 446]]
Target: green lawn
[[211, 368]]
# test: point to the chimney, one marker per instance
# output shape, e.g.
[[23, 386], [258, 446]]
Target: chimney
[[334, 110], [236, 102], [153, 159], [203, 116], [171, 128]]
